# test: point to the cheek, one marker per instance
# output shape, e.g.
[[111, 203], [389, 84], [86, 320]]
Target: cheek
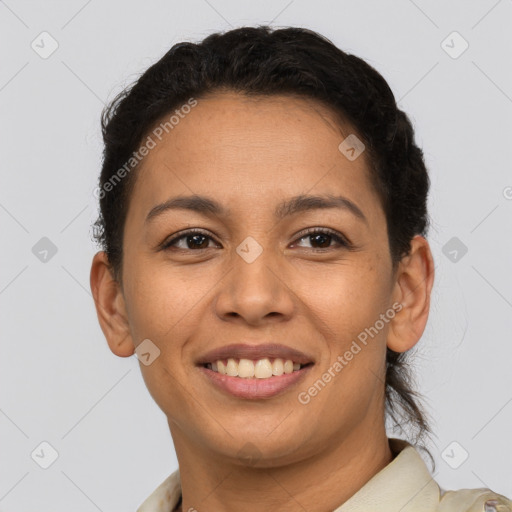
[[356, 345], [349, 318], [155, 302], [350, 299], [167, 305]]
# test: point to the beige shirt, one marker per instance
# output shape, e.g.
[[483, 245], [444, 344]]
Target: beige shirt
[[404, 485]]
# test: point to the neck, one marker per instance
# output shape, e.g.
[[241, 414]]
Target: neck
[[321, 482]]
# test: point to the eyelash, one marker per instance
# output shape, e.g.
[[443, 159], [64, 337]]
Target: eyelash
[[340, 239]]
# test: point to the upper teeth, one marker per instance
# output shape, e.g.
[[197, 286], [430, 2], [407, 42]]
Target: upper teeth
[[247, 368]]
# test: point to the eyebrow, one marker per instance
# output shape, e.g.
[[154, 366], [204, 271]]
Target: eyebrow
[[210, 207]]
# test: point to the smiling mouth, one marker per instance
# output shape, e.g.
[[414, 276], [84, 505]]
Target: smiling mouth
[[264, 368]]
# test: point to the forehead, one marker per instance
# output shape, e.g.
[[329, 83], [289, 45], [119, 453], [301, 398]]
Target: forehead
[[235, 146], [253, 121]]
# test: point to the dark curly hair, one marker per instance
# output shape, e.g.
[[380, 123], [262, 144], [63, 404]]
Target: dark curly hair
[[288, 61]]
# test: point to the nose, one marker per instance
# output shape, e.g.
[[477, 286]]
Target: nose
[[255, 292]]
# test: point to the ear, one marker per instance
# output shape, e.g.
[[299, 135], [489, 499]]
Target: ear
[[414, 281], [110, 307]]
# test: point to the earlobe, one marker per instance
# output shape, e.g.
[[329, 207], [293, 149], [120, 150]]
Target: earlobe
[[110, 307], [415, 278]]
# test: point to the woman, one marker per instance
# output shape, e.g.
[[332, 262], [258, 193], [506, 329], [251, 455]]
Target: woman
[[263, 222]]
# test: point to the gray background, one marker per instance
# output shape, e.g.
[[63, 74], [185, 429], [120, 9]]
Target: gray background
[[60, 383]]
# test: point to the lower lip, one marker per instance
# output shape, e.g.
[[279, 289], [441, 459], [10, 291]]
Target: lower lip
[[253, 388]]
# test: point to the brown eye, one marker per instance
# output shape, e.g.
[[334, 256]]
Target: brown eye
[[190, 240], [323, 238]]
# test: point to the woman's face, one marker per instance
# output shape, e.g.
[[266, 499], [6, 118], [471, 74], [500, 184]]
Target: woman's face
[[253, 276]]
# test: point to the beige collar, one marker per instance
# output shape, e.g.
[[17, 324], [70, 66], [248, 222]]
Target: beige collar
[[405, 484]]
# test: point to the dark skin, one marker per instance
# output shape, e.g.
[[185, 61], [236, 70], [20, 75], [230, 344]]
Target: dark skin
[[249, 155]]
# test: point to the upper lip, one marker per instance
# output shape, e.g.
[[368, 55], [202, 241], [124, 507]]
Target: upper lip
[[245, 351]]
